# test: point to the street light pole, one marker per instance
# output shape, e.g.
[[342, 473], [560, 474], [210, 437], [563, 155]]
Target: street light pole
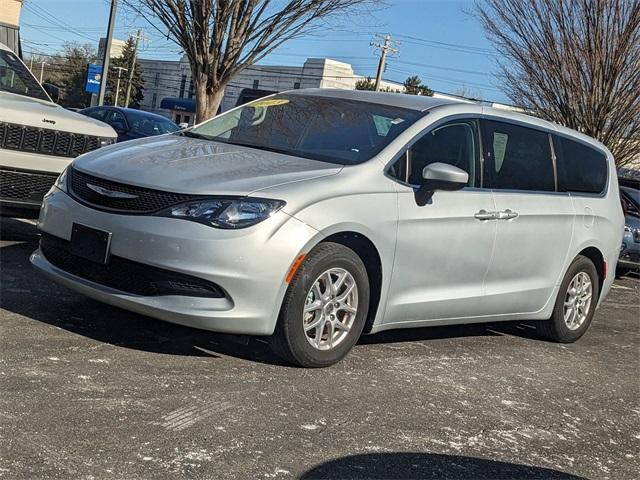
[[115, 101], [107, 51]]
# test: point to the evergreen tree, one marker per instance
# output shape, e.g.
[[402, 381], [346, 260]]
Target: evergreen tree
[[365, 84], [137, 84], [413, 86]]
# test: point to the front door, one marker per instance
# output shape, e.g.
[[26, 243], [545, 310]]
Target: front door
[[443, 248]]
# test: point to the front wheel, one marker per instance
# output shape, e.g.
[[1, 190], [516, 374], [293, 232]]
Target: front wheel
[[324, 309], [576, 303]]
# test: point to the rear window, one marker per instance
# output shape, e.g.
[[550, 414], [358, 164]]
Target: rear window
[[150, 125], [581, 168]]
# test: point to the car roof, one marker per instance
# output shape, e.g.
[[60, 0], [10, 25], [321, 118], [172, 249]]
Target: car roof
[[412, 102]]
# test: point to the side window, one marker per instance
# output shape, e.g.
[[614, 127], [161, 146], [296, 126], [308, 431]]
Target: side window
[[455, 143], [97, 113], [116, 117], [580, 168], [517, 158]]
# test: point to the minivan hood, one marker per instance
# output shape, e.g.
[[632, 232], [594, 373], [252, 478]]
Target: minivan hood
[[182, 164], [32, 112]]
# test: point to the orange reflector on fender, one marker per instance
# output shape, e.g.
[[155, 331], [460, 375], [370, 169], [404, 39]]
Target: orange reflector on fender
[[294, 268]]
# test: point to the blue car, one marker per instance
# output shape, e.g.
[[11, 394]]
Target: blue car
[[630, 252], [130, 123]]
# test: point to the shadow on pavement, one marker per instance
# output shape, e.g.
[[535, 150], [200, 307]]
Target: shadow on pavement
[[408, 465], [25, 292]]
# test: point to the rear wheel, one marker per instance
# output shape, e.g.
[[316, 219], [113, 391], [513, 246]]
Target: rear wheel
[[576, 303], [324, 309]]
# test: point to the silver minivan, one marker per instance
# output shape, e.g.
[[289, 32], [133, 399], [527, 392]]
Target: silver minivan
[[314, 216]]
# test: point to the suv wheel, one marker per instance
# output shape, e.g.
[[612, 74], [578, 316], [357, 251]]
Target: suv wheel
[[324, 309], [576, 303]]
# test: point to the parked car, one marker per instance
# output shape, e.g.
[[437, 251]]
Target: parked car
[[130, 123], [630, 252], [313, 216], [38, 138]]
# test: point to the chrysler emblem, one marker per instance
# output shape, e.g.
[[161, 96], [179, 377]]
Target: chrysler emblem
[[110, 193]]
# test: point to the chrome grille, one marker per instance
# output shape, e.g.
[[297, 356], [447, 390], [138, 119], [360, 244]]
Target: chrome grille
[[144, 200]]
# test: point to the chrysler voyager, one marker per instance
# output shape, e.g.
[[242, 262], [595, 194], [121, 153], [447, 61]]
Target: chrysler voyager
[[314, 216]]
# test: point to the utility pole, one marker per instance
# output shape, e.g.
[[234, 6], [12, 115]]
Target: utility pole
[[132, 68], [42, 71], [384, 50], [115, 101], [107, 51]]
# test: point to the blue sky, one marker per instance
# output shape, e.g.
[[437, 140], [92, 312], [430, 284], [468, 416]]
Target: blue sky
[[439, 40]]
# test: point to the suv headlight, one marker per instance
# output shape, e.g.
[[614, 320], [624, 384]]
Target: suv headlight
[[107, 141], [227, 213], [61, 181]]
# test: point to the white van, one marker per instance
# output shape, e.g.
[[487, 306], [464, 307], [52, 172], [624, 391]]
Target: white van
[[313, 216], [38, 138]]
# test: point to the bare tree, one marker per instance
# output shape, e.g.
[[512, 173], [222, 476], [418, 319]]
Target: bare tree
[[222, 37], [575, 62]]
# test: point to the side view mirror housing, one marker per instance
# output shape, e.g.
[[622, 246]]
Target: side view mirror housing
[[440, 176], [52, 90]]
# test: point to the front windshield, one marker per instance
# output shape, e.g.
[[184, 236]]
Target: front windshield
[[150, 125], [15, 78], [341, 131]]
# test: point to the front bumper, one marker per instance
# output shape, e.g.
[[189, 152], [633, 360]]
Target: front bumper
[[250, 265]]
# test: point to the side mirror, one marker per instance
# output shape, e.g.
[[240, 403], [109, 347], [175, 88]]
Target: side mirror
[[440, 176], [52, 90]]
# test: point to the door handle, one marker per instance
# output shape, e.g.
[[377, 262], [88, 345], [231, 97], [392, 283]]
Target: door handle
[[484, 215], [506, 214]]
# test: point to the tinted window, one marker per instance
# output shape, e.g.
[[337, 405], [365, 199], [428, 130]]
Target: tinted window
[[150, 125], [97, 113], [15, 78], [453, 143], [322, 128], [517, 158], [580, 168]]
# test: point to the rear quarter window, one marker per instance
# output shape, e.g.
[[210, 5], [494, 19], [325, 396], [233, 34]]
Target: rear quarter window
[[581, 169]]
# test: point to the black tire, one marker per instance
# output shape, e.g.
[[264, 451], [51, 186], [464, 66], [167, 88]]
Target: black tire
[[555, 329], [289, 340]]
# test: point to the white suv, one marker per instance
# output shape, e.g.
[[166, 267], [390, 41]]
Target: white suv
[[38, 138]]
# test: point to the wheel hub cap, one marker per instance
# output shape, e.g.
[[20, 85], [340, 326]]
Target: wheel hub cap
[[330, 309]]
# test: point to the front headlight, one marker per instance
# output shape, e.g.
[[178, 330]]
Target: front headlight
[[107, 141], [61, 181], [627, 228], [226, 212]]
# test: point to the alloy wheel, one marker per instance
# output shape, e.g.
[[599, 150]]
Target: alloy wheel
[[577, 301], [330, 308]]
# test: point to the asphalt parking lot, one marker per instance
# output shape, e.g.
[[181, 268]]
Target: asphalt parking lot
[[91, 391]]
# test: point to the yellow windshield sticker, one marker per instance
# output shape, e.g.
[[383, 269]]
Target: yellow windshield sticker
[[270, 102]]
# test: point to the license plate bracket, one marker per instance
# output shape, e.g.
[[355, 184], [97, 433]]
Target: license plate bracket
[[90, 243]]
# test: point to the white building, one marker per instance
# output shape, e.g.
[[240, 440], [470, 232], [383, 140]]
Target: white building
[[117, 46], [168, 89]]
